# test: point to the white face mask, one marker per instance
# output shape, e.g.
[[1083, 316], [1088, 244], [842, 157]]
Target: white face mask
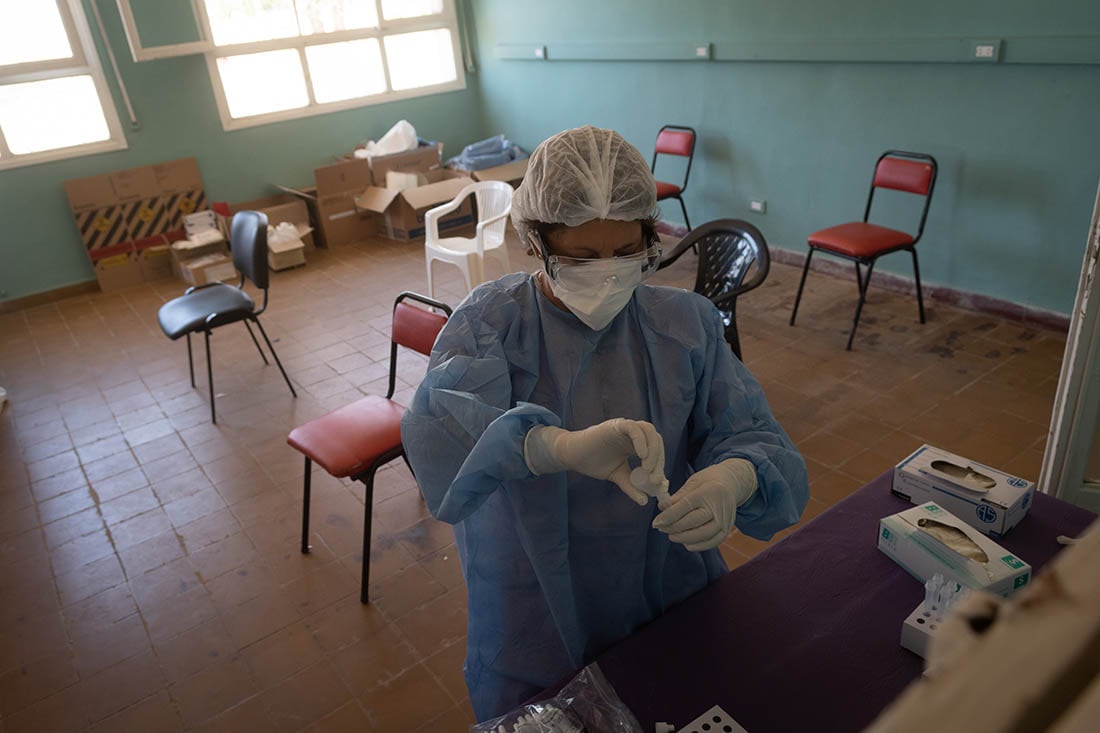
[[597, 291]]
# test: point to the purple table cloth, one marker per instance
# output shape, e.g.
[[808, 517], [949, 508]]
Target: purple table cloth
[[806, 635]]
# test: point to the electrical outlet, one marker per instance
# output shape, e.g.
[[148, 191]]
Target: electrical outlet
[[759, 206], [987, 50], [540, 52], [703, 51]]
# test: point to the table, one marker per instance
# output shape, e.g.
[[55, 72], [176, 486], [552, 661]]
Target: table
[[805, 636]]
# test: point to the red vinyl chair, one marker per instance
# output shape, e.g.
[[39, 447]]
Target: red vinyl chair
[[358, 439], [678, 141], [862, 242]]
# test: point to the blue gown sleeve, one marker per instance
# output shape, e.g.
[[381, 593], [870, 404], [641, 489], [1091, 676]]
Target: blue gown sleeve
[[462, 433], [732, 419]]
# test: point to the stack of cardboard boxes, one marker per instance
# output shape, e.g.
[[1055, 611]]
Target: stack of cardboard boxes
[[353, 203], [127, 219]]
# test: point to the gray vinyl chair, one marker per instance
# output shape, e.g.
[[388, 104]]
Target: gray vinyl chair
[[728, 250], [206, 307]]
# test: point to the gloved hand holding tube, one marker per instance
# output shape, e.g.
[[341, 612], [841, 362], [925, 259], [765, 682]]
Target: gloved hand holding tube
[[602, 451], [702, 513]]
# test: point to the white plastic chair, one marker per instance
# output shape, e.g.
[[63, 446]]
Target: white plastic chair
[[494, 203]]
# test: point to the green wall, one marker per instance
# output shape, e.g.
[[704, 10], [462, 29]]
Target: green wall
[[1017, 141], [39, 246], [815, 92]]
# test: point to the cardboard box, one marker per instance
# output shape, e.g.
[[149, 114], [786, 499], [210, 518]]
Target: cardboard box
[[402, 212], [184, 251], [916, 540], [418, 160], [210, 268], [285, 248], [282, 207], [133, 205], [333, 196], [116, 267], [511, 173], [154, 256], [990, 500]]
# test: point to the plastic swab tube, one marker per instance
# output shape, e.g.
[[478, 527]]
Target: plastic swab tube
[[643, 482]]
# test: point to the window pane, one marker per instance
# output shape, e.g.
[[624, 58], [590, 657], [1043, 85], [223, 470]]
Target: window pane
[[242, 21], [420, 59], [51, 114], [346, 70], [257, 83], [410, 8], [32, 31], [326, 16]]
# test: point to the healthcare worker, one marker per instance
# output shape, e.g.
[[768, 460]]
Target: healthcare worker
[[545, 391]]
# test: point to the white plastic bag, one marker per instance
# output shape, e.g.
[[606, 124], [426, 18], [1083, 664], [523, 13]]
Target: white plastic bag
[[399, 138]]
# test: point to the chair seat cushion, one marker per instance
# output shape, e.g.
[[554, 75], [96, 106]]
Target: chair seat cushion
[[859, 239], [347, 441], [664, 190], [188, 313]]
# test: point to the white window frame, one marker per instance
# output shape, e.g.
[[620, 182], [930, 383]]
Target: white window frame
[[447, 19], [83, 62]]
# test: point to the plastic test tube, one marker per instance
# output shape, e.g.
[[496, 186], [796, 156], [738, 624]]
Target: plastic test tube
[[641, 480]]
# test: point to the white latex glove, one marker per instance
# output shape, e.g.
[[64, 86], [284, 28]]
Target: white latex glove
[[602, 451], [701, 514]]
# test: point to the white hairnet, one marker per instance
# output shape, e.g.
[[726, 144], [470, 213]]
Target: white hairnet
[[584, 174]]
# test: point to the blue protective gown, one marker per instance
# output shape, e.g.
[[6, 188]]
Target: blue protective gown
[[559, 567]]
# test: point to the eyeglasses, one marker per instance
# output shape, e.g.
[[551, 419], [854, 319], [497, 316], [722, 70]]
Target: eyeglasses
[[647, 258]]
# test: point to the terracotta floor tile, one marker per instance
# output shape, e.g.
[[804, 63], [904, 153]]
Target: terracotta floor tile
[[249, 715], [90, 579], [150, 554], [99, 646], [404, 591], [27, 684], [305, 697], [446, 567], [437, 624], [377, 657], [194, 650], [118, 510], [213, 690], [155, 714], [214, 527], [62, 712], [260, 617], [116, 688], [284, 653], [169, 616], [321, 587], [348, 718], [407, 702], [446, 666], [458, 718]]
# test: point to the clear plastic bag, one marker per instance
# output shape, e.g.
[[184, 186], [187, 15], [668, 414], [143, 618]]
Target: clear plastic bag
[[588, 704]]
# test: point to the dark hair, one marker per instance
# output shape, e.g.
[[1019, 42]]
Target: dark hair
[[543, 230]]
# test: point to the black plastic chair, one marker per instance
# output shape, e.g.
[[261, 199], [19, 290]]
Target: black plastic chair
[[727, 250], [206, 307]]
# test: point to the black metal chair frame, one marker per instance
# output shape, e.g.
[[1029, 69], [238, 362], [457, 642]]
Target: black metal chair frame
[[691, 156], [366, 476], [711, 269], [862, 281], [246, 260]]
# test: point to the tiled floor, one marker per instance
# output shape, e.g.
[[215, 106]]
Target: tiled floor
[[149, 562]]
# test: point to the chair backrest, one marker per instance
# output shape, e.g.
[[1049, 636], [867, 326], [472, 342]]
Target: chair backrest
[[728, 251], [248, 244], [900, 170], [414, 328], [675, 140], [493, 199]]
